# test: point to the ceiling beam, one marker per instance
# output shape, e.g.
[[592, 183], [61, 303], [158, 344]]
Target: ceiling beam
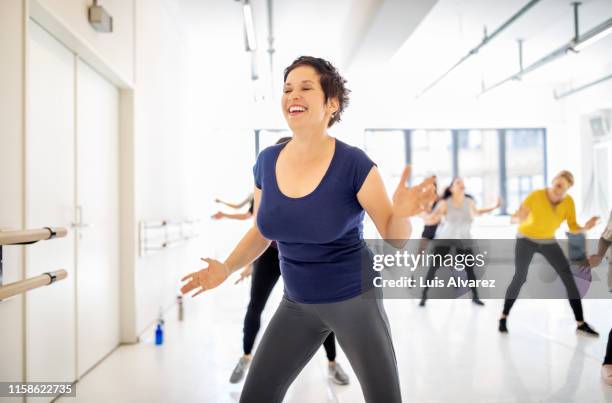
[[376, 29]]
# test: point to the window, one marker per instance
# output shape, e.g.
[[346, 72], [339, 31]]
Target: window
[[506, 163], [478, 164], [387, 148], [525, 164], [432, 154]]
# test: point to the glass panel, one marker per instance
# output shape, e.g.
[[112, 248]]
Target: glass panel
[[524, 164], [478, 156], [432, 155], [387, 148]]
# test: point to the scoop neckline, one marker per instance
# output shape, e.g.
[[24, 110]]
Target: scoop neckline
[[329, 167]]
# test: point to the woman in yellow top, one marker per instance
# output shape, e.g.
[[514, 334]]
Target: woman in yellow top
[[540, 215]]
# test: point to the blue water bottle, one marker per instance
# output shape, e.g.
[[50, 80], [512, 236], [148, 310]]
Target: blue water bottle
[[159, 334]]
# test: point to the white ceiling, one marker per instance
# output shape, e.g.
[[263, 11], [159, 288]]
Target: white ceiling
[[423, 38], [454, 27], [343, 31]]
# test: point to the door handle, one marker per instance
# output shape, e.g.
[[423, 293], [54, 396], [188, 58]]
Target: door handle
[[79, 222]]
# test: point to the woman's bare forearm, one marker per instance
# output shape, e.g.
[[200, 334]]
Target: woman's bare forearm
[[485, 210], [602, 247], [242, 216], [231, 205], [250, 247]]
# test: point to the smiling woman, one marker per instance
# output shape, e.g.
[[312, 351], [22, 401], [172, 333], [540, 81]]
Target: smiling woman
[[311, 194], [318, 76]]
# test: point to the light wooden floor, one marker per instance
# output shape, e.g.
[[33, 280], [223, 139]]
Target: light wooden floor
[[449, 351]]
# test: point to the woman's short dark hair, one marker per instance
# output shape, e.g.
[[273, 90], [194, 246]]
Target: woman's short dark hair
[[331, 81]]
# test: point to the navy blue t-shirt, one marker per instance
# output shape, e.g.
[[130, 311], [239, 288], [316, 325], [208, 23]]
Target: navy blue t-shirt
[[320, 235]]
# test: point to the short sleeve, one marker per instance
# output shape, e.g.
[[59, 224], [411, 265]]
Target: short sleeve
[[607, 234], [257, 171], [362, 165]]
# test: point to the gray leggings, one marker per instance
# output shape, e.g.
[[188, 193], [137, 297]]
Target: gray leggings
[[296, 332]]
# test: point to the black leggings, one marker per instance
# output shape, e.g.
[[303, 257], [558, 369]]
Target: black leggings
[[444, 250], [524, 251], [266, 271], [608, 359]]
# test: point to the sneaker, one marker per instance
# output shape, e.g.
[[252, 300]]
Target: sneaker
[[422, 303], [606, 373], [477, 301], [502, 326], [587, 330], [337, 375], [240, 370]]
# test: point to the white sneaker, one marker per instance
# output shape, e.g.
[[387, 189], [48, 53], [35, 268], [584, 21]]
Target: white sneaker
[[240, 370], [337, 375]]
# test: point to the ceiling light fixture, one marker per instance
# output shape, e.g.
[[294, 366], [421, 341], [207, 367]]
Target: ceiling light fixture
[[249, 27], [594, 35]]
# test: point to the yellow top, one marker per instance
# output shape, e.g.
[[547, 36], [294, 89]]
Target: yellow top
[[544, 218]]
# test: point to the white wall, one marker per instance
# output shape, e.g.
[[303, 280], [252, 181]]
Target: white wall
[[12, 71], [116, 48], [578, 146], [159, 143], [144, 51]]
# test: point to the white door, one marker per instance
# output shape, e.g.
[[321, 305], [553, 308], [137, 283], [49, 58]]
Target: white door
[[72, 181], [50, 196], [97, 230]]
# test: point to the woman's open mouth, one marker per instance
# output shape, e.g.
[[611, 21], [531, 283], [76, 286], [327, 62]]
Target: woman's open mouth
[[295, 110]]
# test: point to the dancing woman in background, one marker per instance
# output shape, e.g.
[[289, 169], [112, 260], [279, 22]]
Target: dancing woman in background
[[455, 212], [540, 215]]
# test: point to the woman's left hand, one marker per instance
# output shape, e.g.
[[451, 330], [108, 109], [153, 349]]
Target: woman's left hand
[[410, 201], [591, 223]]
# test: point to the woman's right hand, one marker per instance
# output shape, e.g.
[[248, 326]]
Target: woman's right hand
[[521, 214], [207, 278], [591, 223], [245, 273], [594, 261]]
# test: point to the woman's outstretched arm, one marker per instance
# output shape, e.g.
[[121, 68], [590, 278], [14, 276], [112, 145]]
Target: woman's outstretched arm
[[480, 211], [250, 247], [234, 205]]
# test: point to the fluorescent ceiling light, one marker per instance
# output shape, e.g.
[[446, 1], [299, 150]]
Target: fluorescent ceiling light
[[594, 35], [248, 26]]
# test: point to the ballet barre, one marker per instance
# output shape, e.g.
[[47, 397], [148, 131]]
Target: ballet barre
[[160, 235], [18, 287], [27, 237]]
